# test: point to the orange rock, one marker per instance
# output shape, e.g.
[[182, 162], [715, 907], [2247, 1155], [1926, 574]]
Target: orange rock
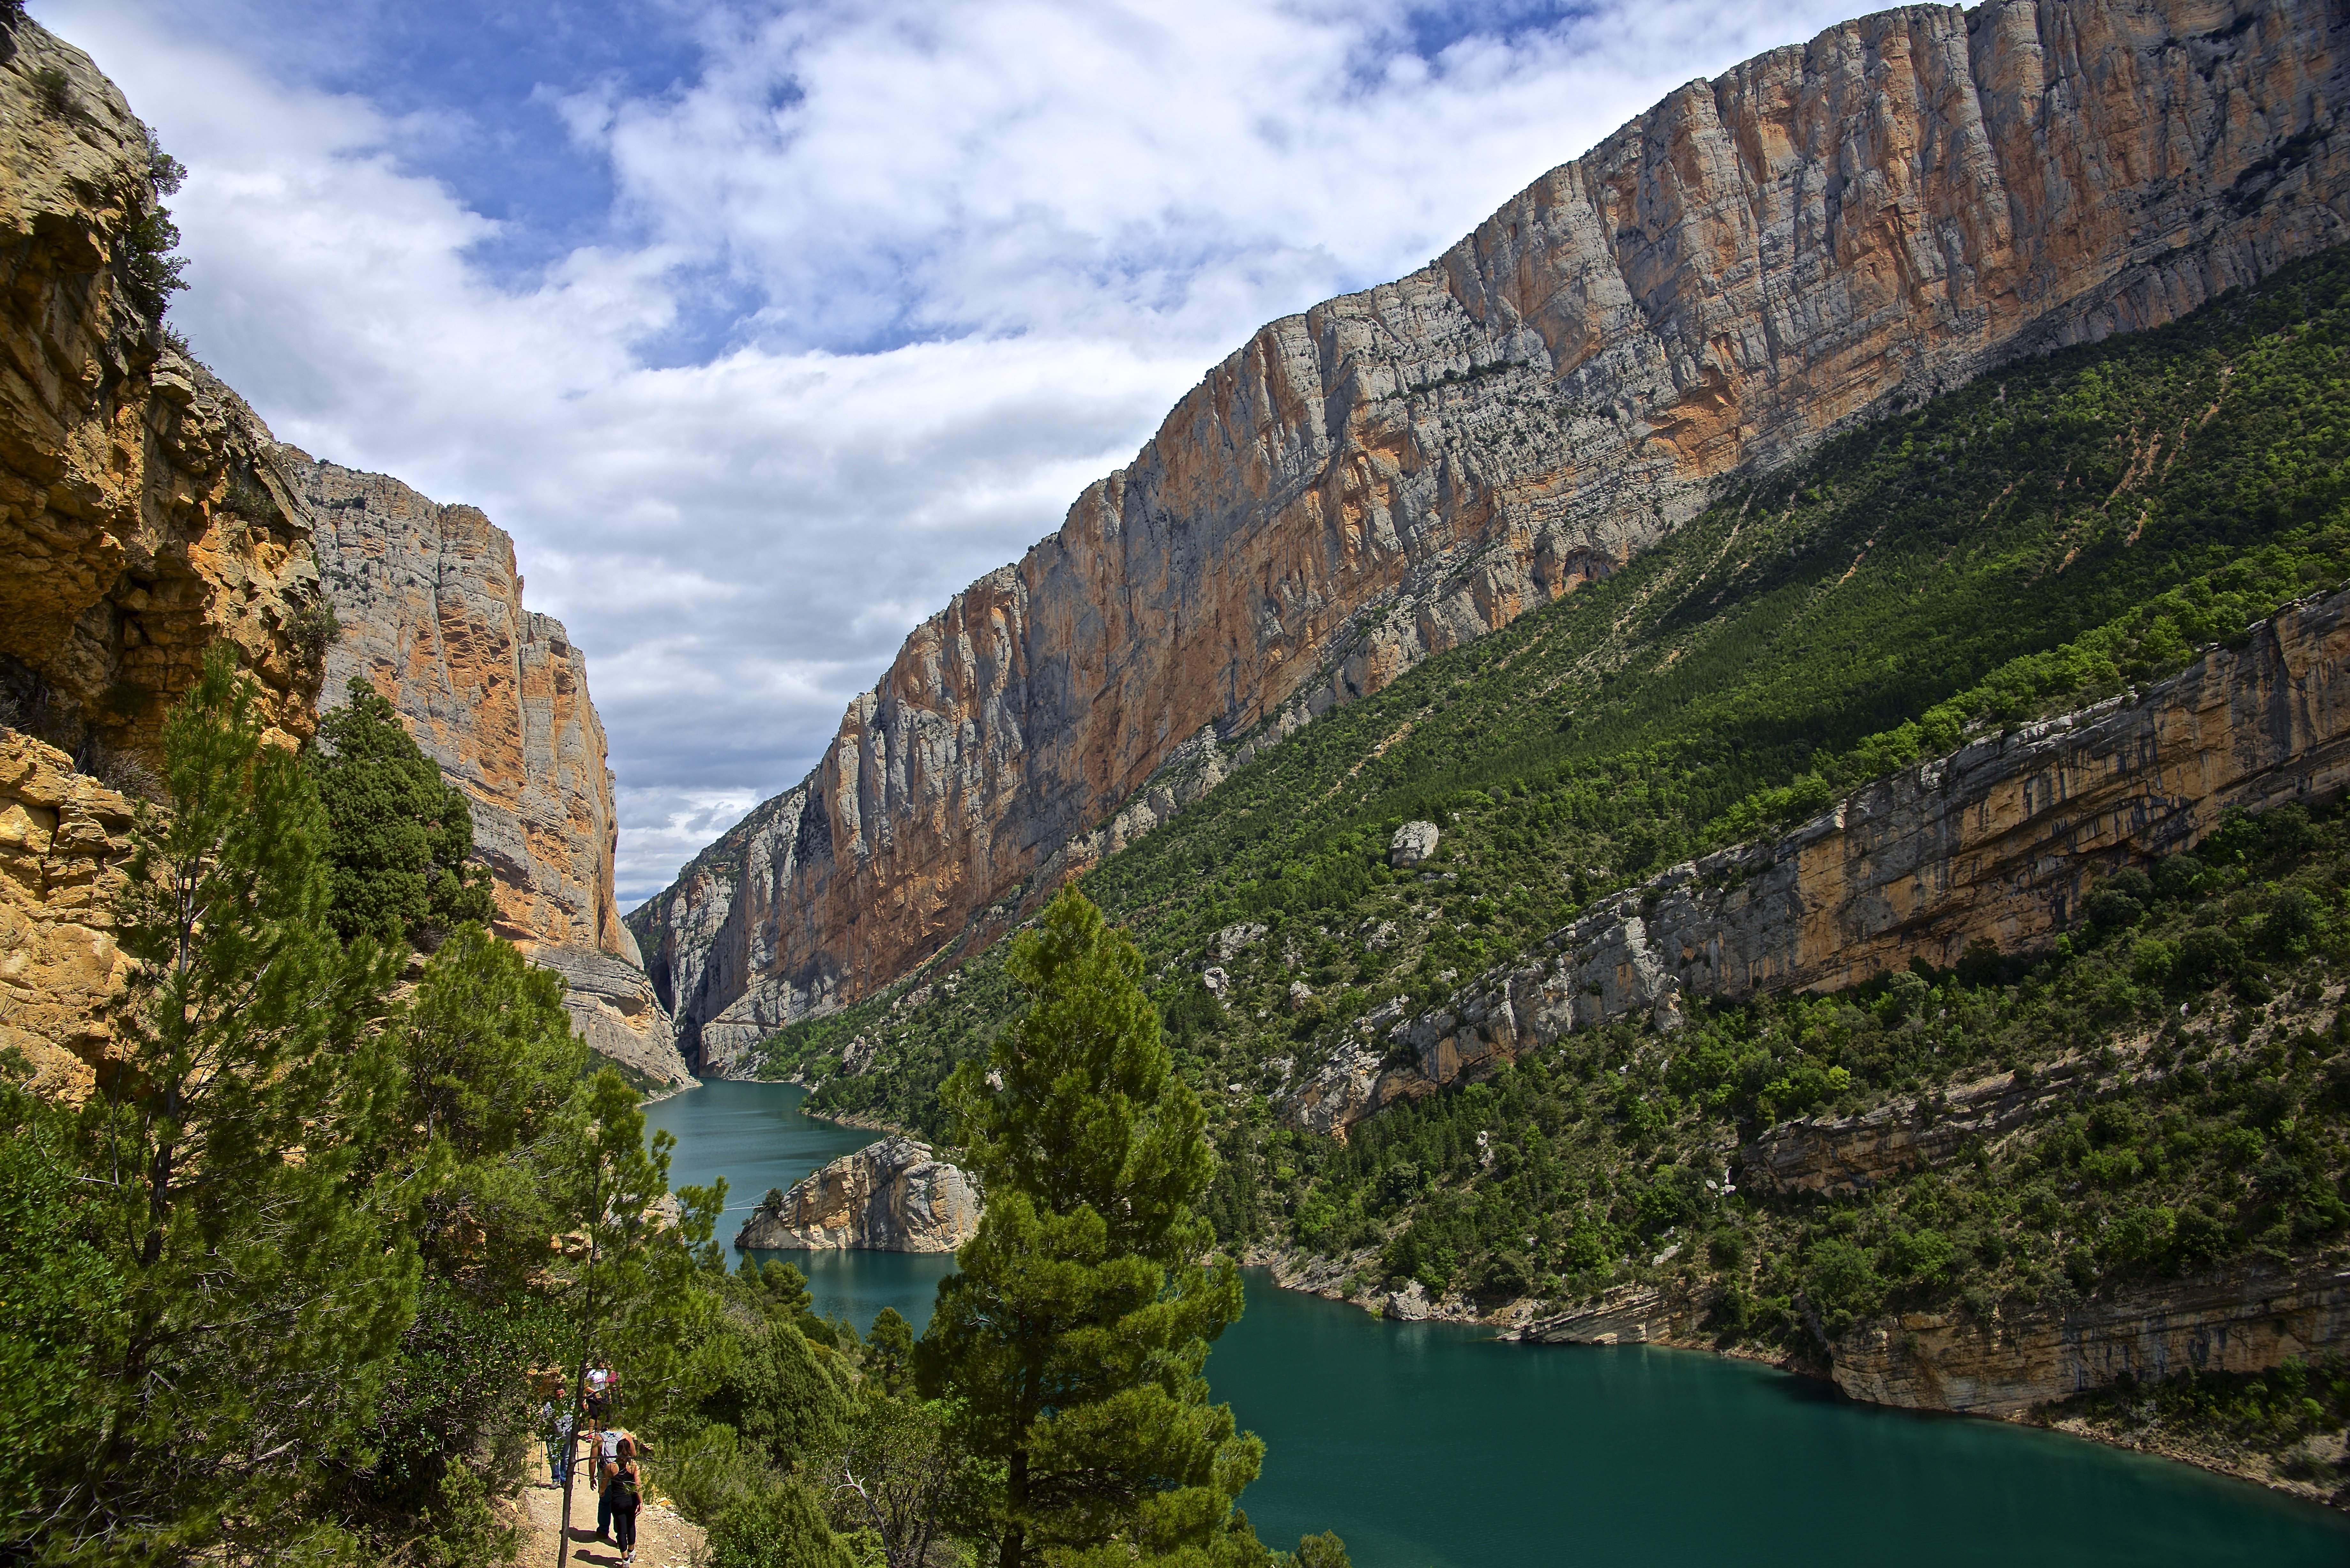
[[62, 838], [1826, 233], [141, 516], [430, 605]]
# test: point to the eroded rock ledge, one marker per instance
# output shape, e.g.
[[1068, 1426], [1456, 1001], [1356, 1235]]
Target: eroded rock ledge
[[1995, 841], [891, 1197]]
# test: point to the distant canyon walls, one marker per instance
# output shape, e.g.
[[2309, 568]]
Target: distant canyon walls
[[1827, 231], [145, 515], [1996, 842], [431, 602]]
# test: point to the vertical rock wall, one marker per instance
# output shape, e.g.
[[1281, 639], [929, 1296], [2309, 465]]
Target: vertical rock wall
[[431, 603], [141, 516], [1827, 231], [62, 833]]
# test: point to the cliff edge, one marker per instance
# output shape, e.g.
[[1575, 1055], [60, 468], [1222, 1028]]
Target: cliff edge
[[431, 603]]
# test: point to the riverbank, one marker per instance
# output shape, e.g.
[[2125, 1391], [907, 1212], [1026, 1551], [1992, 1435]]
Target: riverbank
[[1671, 1316]]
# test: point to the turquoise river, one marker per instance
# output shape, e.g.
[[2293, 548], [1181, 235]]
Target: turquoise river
[[1435, 1447]]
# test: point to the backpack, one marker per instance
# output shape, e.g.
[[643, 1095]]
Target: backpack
[[620, 1492]]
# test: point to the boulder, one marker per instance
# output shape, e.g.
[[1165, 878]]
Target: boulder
[[1413, 843], [889, 1197]]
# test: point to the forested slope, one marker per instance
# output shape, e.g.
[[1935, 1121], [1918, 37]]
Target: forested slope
[[2054, 533]]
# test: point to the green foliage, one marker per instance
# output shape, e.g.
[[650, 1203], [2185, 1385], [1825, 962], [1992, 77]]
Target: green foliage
[[890, 1351], [487, 1068], [403, 836], [778, 1525], [242, 1282], [150, 274], [1072, 1339]]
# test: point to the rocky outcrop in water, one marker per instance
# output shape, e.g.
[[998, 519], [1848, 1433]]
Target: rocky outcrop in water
[[1994, 843], [1825, 233], [431, 603], [891, 1197], [142, 514]]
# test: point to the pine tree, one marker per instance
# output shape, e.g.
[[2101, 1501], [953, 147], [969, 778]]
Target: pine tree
[[628, 1276], [1072, 1340], [260, 1278], [488, 1065], [403, 836]]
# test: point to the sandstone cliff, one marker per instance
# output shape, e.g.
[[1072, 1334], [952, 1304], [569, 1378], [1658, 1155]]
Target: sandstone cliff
[[1827, 231], [1995, 843], [142, 516], [431, 603], [891, 1197]]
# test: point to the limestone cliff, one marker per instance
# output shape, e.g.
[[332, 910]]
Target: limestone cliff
[[147, 513], [61, 835], [430, 604], [2015, 1365], [1825, 233], [1995, 841], [142, 516], [891, 1197]]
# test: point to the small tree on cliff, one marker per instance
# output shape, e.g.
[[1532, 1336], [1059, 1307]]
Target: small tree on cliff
[[403, 836], [1072, 1342]]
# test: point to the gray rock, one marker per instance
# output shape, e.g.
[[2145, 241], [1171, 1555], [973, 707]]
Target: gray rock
[[1996, 842], [1235, 939], [1413, 843], [891, 1197], [1409, 1303]]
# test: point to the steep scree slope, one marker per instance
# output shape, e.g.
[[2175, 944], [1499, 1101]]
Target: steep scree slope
[[1827, 230]]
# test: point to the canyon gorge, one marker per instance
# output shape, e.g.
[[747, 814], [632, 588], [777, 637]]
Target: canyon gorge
[[147, 513], [1829, 232]]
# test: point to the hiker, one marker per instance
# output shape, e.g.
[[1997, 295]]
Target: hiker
[[599, 1395], [612, 1443], [555, 1424], [621, 1497]]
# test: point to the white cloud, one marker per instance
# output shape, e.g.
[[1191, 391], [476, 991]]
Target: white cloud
[[984, 248]]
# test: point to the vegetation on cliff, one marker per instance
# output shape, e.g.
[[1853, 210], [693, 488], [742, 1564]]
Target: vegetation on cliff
[[2063, 530]]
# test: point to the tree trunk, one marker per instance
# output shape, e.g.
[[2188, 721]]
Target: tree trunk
[[1016, 1493]]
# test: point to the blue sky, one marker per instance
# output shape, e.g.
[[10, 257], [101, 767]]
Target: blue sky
[[764, 328]]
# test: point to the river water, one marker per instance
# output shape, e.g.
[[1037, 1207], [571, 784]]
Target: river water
[[1431, 1446]]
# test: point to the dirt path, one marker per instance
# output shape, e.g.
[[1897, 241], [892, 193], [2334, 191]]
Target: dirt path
[[664, 1540]]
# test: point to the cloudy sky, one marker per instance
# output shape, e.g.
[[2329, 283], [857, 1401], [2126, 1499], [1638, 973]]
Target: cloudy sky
[[765, 327]]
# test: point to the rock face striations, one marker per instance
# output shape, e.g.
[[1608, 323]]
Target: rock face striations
[[431, 603], [1996, 842], [891, 1197], [142, 514], [146, 514], [1825, 233]]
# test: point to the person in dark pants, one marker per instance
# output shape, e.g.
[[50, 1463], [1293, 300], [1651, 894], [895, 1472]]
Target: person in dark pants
[[623, 1496]]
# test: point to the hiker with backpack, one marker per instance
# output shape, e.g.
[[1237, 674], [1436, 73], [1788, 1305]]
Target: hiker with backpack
[[623, 1494]]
